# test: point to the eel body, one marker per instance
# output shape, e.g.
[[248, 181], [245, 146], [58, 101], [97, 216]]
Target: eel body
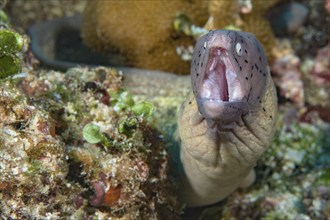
[[228, 120]]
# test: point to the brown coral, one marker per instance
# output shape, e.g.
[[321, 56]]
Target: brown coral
[[142, 30]]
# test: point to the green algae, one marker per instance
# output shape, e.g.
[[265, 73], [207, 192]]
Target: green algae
[[183, 24], [11, 43], [127, 126], [9, 65], [93, 135], [143, 109], [121, 99], [3, 17], [232, 27], [325, 177], [34, 168]]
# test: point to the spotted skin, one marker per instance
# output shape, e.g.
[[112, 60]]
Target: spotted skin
[[228, 119]]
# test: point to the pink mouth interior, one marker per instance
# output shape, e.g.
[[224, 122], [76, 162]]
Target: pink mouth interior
[[215, 83]]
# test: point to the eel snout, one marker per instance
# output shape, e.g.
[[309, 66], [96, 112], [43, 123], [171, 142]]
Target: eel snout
[[220, 96]]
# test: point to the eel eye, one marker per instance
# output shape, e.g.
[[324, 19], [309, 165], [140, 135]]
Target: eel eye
[[239, 49]]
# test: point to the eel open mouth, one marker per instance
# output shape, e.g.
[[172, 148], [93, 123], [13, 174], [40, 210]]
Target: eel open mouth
[[221, 81], [221, 94]]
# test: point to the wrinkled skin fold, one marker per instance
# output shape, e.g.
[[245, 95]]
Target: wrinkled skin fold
[[227, 121]]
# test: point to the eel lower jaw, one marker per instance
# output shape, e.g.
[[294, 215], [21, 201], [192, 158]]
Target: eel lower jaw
[[220, 95], [222, 113]]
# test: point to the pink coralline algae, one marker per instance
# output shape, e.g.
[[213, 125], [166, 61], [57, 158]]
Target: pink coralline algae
[[321, 68], [79, 201], [327, 5], [97, 199], [288, 78]]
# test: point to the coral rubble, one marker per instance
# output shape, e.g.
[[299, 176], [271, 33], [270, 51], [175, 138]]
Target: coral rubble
[[53, 172]]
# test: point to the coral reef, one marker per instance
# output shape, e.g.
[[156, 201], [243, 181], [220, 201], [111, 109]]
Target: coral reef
[[142, 30], [78, 145], [53, 172]]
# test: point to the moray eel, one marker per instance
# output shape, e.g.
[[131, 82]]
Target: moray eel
[[228, 120]]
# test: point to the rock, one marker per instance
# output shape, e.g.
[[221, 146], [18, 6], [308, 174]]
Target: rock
[[287, 18]]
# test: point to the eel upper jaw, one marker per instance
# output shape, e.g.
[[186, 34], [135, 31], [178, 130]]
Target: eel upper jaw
[[220, 96]]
